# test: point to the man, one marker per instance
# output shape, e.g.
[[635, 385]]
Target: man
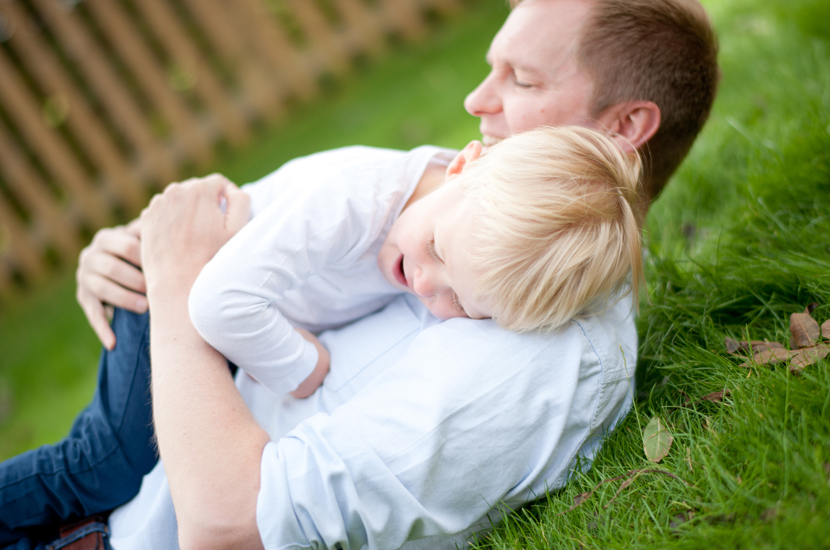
[[392, 450]]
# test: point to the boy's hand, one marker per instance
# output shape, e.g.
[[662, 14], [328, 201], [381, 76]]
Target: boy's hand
[[315, 379]]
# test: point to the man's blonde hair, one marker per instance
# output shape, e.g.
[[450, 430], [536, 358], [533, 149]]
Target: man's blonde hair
[[557, 229]]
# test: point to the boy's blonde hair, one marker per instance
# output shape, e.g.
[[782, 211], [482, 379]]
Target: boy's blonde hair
[[557, 230]]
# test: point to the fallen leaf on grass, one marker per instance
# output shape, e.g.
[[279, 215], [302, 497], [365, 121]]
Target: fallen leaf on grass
[[715, 397], [657, 440], [768, 356], [804, 330], [805, 348], [735, 347], [680, 519], [770, 513], [807, 356]]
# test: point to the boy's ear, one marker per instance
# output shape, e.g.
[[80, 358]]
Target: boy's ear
[[470, 153], [632, 122]]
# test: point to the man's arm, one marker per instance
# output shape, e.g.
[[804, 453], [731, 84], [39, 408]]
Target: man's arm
[[463, 417], [210, 444]]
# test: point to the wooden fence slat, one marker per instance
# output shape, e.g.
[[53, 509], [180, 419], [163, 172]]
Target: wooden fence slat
[[54, 153], [445, 7], [80, 59], [174, 38], [262, 91], [113, 94], [135, 53], [272, 44], [326, 43], [22, 249], [404, 17], [363, 28], [53, 79], [6, 283], [33, 194]]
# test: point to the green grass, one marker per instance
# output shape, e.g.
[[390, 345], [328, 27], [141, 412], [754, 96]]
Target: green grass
[[739, 240]]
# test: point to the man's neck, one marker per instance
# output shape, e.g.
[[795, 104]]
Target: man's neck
[[432, 178]]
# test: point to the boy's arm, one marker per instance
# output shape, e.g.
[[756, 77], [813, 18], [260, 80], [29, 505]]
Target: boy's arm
[[234, 301], [315, 379]]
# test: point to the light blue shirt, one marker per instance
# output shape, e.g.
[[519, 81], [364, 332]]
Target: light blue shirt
[[422, 432]]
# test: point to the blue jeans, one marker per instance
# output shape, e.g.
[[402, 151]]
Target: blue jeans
[[99, 465]]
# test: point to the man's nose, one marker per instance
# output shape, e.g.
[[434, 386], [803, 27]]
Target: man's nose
[[484, 99]]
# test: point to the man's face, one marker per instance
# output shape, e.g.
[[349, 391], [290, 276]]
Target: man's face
[[534, 79]]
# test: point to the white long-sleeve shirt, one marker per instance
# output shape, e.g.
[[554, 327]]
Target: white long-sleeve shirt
[[307, 259], [422, 429]]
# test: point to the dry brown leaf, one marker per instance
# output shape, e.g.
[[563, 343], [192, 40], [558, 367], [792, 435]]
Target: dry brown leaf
[[734, 346], [811, 308], [680, 519], [715, 397], [825, 329], [804, 330], [805, 357], [771, 356]]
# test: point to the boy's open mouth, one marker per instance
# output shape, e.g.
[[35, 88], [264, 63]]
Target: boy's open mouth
[[400, 274]]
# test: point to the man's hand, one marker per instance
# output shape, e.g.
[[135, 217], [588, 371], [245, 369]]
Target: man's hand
[[184, 227], [109, 273]]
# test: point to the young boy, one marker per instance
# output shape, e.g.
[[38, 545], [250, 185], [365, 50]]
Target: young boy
[[538, 230], [532, 233]]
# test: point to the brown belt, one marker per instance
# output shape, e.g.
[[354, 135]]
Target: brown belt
[[88, 534]]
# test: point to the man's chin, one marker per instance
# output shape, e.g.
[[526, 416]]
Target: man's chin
[[489, 141]]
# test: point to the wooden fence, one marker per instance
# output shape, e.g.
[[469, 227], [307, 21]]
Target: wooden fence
[[102, 102]]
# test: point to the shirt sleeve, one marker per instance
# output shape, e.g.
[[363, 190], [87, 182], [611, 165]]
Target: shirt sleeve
[[472, 418], [234, 301]]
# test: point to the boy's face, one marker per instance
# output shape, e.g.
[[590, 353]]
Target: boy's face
[[424, 254]]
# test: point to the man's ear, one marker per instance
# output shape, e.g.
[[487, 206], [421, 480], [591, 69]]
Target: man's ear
[[632, 123], [470, 153]]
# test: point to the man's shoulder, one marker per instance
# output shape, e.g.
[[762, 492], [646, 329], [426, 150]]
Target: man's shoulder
[[602, 334]]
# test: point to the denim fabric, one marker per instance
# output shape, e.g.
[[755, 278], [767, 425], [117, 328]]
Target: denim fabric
[[99, 465]]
